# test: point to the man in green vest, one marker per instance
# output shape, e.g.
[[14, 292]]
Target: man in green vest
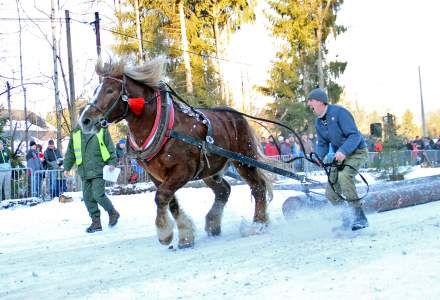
[[90, 153]]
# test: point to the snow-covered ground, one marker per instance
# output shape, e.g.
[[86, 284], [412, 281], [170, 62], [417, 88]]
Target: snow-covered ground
[[45, 253]]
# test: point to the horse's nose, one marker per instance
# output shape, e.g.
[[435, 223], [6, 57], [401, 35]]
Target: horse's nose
[[86, 121]]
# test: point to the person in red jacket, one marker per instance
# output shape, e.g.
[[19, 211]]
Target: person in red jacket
[[271, 149], [378, 146]]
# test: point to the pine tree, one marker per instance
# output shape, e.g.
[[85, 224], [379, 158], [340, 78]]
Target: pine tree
[[304, 26], [408, 128]]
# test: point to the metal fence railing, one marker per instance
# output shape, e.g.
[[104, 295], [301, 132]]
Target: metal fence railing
[[22, 183], [380, 160]]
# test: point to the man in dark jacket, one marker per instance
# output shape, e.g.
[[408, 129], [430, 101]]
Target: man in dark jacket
[[91, 152], [52, 157], [5, 172], [35, 165], [335, 125]]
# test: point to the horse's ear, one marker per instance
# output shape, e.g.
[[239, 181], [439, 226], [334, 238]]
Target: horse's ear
[[113, 66]]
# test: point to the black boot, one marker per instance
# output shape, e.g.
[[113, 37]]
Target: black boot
[[346, 218], [360, 220], [95, 226], [113, 217]]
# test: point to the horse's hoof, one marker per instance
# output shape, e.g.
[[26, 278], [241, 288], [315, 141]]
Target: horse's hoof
[[166, 241], [213, 231], [185, 245]]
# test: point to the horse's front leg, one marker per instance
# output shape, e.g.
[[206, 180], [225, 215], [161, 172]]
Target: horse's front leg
[[164, 224], [165, 199], [184, 224]]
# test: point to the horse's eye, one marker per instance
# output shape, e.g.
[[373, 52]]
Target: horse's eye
[[109, 91]]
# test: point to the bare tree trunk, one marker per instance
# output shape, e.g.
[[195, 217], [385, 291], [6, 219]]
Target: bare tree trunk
[[55, 74], [217, 52], [138, 30], [186, 58], [26, 132], [319, 40], [321, 17]]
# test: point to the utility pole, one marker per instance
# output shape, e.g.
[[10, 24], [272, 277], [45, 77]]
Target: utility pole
[[97, 34], [55, 74], [72, 107], [8, 87], [421, 105]]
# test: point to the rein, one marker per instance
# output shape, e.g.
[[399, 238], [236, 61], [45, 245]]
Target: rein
[[312, 158]]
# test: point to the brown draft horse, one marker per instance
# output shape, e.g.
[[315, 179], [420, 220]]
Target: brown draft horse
[[170, 162]]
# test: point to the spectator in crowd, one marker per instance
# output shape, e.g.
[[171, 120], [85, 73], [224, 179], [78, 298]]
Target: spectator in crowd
[[121, 152], [370, 143], [90, 153], [407, 145], [378, 146], [307, 144], [52, 157], [293, 145], [312, 142], [428, 143], [263, 142], [271, 149], [437, 144], [5, 172], [335, 124], [34, 162], [284, 146]]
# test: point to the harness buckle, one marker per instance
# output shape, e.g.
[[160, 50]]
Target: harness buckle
[[103, 123], [209, 139]]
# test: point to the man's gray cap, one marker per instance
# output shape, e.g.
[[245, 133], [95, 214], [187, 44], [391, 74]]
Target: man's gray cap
[[318, 94]]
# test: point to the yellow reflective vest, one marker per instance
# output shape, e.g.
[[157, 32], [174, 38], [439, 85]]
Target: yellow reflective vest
[[77, 146]]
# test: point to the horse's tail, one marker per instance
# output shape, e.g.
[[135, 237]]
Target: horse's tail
[[261, 157]]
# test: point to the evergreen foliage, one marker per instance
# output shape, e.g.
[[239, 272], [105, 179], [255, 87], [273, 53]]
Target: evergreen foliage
[[160, 27], [303, 27]]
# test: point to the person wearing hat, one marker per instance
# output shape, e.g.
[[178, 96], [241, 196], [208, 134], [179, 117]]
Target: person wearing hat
[[90, 153], [35, 165], [335, 125], [52, 157], [121, 152], [5, 172]]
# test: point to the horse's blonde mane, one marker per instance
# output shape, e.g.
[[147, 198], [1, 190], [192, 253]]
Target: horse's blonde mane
[[149, 73]]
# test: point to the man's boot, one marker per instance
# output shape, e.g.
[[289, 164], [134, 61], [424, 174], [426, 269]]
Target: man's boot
[[95, 226], [346, 220], [360, 220], [113, 217]]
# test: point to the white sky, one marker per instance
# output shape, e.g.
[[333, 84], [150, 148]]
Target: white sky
[[385, 43]]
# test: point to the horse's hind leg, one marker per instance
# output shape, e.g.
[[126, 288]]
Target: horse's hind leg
[[184, 225], [221, 189], [259, 185]]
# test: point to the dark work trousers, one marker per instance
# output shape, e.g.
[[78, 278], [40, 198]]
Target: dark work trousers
[[94, 194]]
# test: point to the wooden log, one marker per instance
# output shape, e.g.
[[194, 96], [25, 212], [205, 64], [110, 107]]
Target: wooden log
[[382, 196]]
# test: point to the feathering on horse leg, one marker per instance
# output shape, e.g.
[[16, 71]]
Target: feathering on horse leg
[[213, 219], [185, 225], [164, 224]]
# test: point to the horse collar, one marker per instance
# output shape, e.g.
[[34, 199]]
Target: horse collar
[[160, 132]]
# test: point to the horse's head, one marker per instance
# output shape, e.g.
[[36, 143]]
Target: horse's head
[[118, 83]]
